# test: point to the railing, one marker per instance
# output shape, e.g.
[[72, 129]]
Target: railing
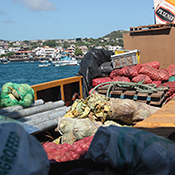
[[66, 87]]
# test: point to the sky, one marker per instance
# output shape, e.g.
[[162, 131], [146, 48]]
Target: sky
[[70, 19]]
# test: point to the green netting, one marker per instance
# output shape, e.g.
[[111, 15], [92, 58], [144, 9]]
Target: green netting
[[16, 94]]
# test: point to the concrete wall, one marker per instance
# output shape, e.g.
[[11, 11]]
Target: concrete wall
[[154, 45]]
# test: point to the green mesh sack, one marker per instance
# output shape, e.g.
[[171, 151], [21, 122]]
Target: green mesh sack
[[16, 94]]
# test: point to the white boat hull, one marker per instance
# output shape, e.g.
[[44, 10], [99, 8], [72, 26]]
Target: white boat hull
[[44, 65], [65, 63]]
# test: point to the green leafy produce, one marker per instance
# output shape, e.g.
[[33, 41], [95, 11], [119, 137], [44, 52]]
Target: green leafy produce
[[16, 94]]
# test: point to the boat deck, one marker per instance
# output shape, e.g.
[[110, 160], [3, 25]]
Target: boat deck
[[162, 122]]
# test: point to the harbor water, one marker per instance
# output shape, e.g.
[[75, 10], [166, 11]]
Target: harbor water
[[31, 73]]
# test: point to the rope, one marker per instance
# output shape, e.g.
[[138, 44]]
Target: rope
[[139, 87]]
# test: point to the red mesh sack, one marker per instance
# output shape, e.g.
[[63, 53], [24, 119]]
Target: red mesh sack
[[114, 73], [169, 98], [157, 83], [133, 71], [151, 72], [145, 79], [171, 70], [121, 78], [163, 74], [154, 64], [66, 152], [124, 71], [171, 85], [98, 81], [130, 71], [155, 74]]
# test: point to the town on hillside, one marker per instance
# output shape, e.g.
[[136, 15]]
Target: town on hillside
[[51, 49]]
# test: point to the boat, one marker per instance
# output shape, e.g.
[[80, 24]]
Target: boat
[[4, 61], [69, 89], [44, 65], [65, 59], [56, 65], [42, 60]]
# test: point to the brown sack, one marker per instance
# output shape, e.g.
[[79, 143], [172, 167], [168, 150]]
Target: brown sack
[[129, 111]]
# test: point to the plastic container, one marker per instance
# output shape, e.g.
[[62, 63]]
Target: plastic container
[[127, 58], [120, 51]]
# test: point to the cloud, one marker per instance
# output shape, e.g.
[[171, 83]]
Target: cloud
[[38, 5], [8, 21], [2, 12]]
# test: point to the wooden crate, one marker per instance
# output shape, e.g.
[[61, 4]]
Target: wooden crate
[[154, 99], [162, 122]]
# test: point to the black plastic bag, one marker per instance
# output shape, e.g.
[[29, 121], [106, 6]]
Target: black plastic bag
[[89, 67], [106, 67]]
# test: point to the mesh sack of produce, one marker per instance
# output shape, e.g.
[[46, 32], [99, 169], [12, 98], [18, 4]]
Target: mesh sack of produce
[[92, 107], [124, 71], [151, 72], [171, 86], [157, 83], [16, 94], [143, 111], [132, 151], [114, 73], [130, 71], [100, 80], [145, 79], [129, 111], [67, 152], [122, 109], [74, 129], [154, 74], [133, 71], [163, 74], [154, 64], [121, 78], [171, 70]]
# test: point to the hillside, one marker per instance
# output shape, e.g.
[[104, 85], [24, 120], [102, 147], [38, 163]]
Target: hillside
[[115, 34]]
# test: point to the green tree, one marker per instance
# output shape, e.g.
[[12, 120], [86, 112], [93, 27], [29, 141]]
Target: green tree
[[50, 43], [78, 51], [7, 54], [10, 54]]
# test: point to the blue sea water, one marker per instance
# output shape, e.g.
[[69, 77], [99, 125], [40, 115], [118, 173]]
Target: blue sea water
[[31, 73]]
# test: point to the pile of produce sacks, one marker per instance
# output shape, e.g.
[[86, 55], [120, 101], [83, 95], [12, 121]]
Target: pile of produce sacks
[[98, 107], [78, 126], [148, 73]]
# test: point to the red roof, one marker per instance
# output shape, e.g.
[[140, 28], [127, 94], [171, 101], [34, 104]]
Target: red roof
[[26, 51]]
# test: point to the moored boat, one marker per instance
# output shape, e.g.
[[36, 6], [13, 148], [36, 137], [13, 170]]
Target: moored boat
[[4, 61], [44, 65], [65, 59]]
